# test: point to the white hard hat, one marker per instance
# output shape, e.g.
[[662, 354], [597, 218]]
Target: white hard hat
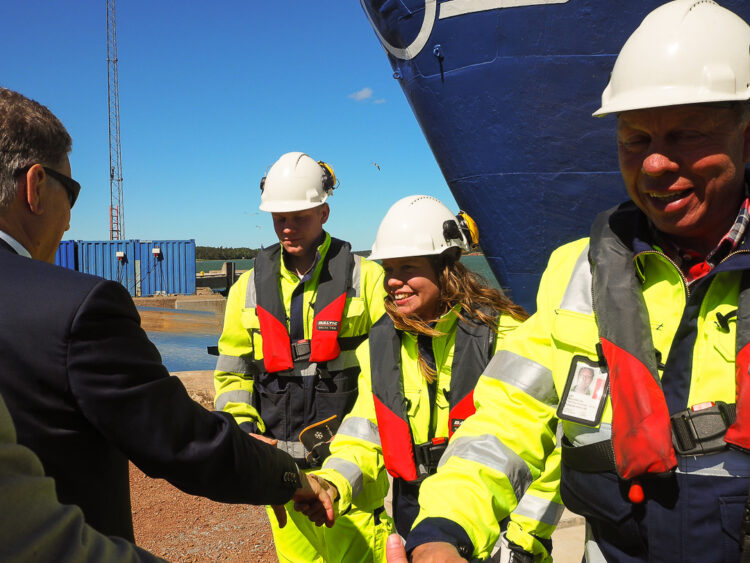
[[420, 225], [296, 182], [684, 52]]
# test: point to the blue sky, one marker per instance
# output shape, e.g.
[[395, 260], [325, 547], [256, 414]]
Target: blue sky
[[211, 94]]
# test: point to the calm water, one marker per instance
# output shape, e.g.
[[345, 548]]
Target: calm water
[[183, 348], [476, 263]]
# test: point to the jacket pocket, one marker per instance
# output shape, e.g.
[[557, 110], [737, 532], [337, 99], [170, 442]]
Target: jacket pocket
[[602, 499], [336, 394], [732, 510], [573, 331], [272, 407], [250, 322], [354, 320]]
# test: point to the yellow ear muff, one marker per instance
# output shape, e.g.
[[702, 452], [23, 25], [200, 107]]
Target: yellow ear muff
[[468, 227], [329, 178]]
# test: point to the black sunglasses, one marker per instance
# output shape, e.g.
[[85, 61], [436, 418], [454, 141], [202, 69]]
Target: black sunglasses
[[71, 186]]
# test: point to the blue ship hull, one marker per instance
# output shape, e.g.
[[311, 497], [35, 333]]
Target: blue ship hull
[[504, 91]]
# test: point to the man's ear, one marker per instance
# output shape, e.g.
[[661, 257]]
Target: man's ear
[[325, 211], [35, 178]]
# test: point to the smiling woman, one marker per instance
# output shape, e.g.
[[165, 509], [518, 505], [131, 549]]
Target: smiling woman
[[442, 327]]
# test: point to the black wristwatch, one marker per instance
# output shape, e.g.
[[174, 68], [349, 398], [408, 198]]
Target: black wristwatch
[[293, 478]]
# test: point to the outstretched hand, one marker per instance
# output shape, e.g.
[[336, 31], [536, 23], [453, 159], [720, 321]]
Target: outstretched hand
[[314, 499], [317, 503]]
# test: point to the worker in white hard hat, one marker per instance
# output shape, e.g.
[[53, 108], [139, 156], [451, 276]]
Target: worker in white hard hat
[[419, 368], [287, 371], [656, 303]]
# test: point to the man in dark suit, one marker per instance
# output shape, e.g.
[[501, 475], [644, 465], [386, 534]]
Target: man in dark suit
[[85, 387]]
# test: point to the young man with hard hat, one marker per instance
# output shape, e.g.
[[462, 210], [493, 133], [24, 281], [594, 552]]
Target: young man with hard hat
[[286, 369], [657, 301], [420, 365]]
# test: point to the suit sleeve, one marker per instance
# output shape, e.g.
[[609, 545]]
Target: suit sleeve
[[34, 526], [117, 378]]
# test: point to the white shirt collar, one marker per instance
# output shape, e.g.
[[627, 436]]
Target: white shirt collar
[[17, 246]]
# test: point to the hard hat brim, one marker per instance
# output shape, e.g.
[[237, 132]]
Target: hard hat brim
[[289, 206]]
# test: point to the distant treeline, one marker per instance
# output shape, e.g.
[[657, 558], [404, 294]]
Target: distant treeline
[[224, 253]]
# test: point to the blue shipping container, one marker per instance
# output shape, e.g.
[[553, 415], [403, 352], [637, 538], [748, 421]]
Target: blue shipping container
[[66, 254], [110, 259], [165, 266]]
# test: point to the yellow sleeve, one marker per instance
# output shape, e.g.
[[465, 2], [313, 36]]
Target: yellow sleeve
[[356, 458], [373, 290], [500, 451], [233, 377], [539, 510]]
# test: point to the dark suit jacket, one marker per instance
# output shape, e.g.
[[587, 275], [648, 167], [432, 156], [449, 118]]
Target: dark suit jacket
[[87, 391]]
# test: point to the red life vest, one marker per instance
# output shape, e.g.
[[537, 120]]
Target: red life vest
[[474, 347], [333, 283], [641, 425]]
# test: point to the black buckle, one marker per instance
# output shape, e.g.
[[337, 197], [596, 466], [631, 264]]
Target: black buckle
[[701, 432], [300, 350], [427, 456]]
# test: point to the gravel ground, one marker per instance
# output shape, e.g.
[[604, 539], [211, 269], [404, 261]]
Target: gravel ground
[[182, 527]]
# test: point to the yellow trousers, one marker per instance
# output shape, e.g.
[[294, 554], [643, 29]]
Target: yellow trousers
[[356, 537]]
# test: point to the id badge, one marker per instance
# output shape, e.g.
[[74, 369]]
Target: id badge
[[586, 392]]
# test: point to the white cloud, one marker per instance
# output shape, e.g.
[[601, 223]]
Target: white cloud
[[379, 101], [363, 94]]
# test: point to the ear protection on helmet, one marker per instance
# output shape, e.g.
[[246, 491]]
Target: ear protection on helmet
[[263, 179], [462, 228], [468, 227], [329, 178]]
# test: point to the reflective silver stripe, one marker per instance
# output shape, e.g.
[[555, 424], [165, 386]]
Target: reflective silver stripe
[[487, 450], [233, 364], [307, 371], [345, 359], [236, 396], [580, 435], [350, 471], [529, 376], [729, 463], [592, 552], [578, 293], [251, 301], [356, 289], [539, 509], [294, 449], [360, 428]]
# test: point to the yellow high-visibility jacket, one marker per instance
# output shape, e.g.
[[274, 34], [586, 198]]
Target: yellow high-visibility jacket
[[503, 447], [241, 345], [356, 454]]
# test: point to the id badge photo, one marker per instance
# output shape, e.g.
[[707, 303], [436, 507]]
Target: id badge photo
[[586, 392]]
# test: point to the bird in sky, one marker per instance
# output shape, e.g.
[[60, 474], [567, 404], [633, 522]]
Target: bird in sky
[[376, 165]]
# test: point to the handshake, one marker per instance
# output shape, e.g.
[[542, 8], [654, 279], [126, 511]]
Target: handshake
[[314, 498]]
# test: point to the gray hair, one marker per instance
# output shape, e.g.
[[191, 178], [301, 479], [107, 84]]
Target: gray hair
[[29, 134]]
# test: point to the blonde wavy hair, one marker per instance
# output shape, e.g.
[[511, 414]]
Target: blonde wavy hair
[[458, 285]]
